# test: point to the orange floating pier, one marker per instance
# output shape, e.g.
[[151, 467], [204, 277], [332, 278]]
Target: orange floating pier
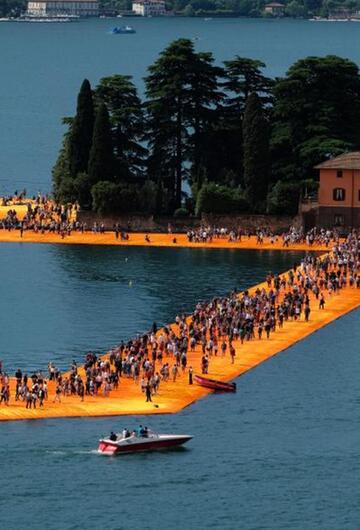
[[174, 396], [156, 240], [138, 239]]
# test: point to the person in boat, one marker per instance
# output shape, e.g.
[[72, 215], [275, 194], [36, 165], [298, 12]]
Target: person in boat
[[141, 431], [126, 433], [146, 432], [113, 437]]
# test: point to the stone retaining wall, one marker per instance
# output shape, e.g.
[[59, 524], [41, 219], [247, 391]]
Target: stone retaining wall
[[151, 223]]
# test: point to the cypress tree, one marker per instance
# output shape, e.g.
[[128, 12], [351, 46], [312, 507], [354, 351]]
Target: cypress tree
[[101, 160], [81, 131], [256, 152]]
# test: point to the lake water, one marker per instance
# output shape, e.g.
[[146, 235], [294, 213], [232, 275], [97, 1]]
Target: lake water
[[282, 453], [60, 301], [43, 65]]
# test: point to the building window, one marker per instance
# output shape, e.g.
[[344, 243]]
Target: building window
[[338, 219], [339, 194], [339, 174]]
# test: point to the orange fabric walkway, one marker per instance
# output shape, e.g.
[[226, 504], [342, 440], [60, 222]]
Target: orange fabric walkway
[[172, 397], [156, 240]]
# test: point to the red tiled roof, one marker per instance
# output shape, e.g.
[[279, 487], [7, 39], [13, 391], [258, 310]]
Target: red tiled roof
[[344, 161]]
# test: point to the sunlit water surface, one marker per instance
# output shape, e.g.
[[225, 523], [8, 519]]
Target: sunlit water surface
[[282, 453]]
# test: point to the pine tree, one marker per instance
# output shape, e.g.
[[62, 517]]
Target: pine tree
[[243, 77], [167, 87], [256, 152], [183, 92], [127, 120], [101, 160], [205, 97], [81, 132], [316, 115]]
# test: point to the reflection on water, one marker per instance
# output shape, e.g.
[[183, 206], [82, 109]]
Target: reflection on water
[[72, 299]]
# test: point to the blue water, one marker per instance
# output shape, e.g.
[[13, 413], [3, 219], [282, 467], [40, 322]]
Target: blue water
[[58, 302], [43, 65], [283, 453]]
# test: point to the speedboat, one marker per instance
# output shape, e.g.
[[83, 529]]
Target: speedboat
[[134, 443], [213, 384], [123, 30]]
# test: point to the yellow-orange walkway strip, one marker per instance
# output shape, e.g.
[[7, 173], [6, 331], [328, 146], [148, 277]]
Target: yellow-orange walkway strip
[[173, 397], [156, 240]]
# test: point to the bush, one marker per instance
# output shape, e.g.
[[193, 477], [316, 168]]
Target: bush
[[105, 197], [284, 198], [65, 191], [147, 197], [181, 212], [109, 197], [82, 190], [220, 200]]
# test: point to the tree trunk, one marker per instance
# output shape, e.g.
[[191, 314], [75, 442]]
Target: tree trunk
[[178, 158]]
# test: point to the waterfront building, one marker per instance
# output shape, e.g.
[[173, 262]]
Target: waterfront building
[[275, 9], [339, 190], [53, 8], [338, 200], [149, 8]]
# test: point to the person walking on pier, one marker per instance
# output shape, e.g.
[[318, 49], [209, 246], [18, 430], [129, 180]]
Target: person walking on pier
[[190, 375], [148, 392], [175, 371], [58, 392], [5, 395], [232, 353]]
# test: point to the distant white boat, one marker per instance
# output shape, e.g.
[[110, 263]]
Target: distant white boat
[[122, 31]]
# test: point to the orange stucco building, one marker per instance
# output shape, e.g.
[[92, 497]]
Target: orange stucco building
[[339, 191]]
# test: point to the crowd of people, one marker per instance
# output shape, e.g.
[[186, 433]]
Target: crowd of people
[[214, 327], [43, 215], [315, 236]]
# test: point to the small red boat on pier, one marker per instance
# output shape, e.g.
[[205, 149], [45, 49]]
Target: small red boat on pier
[[127, 442], [213, 384]]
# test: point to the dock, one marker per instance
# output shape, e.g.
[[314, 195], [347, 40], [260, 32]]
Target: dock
[[174, 396], [137, 239]]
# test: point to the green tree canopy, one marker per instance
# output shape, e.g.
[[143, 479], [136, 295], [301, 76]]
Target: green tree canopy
[[316, 114], [244, 76], [101, 161], [127, 118], [220, 200], [256, 152], [81, 131], [168, 105]]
